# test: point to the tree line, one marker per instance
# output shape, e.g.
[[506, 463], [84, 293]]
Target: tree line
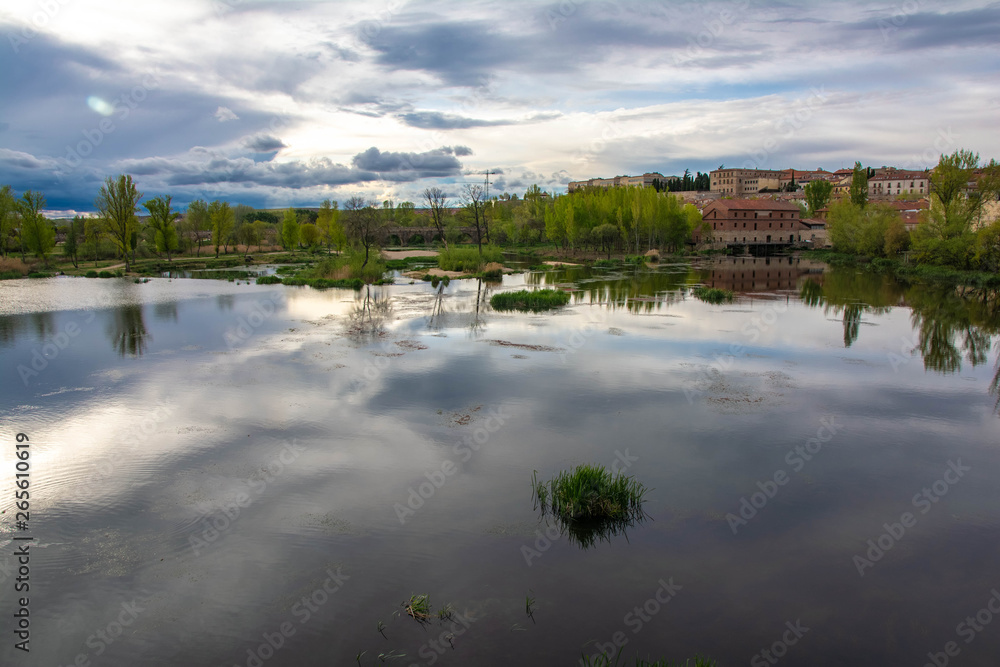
[[617, 219]]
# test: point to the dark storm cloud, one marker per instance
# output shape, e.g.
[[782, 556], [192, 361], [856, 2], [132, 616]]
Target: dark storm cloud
[[929, 30], [896, 29], [467, 52], [435, 120], [436, 163], [150, 113], [264, 143]]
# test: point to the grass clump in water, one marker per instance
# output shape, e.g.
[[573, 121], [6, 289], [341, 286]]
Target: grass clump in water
[[543, 299], [468, 260], [269, 280], [713, 295], [419, 607], [492, 271], [590, 493]]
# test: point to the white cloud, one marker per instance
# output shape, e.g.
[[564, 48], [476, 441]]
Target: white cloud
[[224, 114]]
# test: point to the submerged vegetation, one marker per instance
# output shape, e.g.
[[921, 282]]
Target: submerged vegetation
[[529, 300], [713, 295]]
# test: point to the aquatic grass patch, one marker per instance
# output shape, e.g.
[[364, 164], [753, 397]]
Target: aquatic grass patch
[[590, 493], [713, 295], [405, 263], [468, 260], [325, 283], [419, 607], [269, 280], [529, 300]]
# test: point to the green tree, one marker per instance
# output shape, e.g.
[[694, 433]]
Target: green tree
[[117, 203], [223, 220], [818, 194], [37, 235], [8, 217], [328, 223], [290, 230], [405, 213], [309, 235], [862, 231], [364, 224], [252, 233], [605, 236], [897, 238], [161, 222], [677, 229], [987, 253], [951, 177], [945, 235], [72, 245], [859, 186], [197, 220], [93, 231]]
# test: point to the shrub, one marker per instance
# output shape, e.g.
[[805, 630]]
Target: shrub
[[492, 271], [105, 274], [525, 300], [91, 274]]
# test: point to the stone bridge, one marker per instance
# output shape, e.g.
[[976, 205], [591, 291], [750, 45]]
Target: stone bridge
[[428, 234]]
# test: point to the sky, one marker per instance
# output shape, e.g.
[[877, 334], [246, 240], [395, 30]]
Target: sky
[[276, 104]]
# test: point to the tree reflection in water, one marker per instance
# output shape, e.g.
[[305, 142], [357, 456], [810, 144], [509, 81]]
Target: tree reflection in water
[[950, 324], [367, 320], [127, 331]]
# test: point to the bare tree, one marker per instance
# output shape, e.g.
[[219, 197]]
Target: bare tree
[[474, 200], [364, 223], [437, 202]]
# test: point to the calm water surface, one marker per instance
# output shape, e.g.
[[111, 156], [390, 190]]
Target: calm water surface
[[221, 468]]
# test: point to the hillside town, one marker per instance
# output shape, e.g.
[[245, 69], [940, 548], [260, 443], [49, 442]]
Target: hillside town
[[759, 208]]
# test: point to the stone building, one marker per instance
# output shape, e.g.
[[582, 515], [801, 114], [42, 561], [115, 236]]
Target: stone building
[[739, 182], [753, 222]]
